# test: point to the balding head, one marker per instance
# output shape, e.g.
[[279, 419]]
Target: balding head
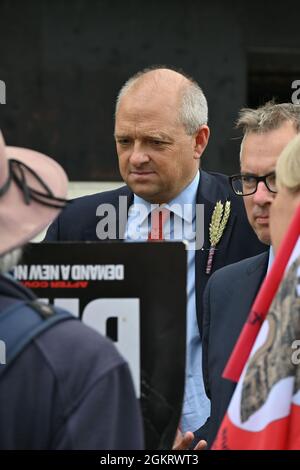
[[155, 81], [158, 133], [180, 91]]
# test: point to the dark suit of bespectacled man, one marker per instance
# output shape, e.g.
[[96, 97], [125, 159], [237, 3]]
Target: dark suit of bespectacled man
[[161, 132], [231, 291]]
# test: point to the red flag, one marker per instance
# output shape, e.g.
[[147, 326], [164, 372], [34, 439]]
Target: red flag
[[264, 412], [262, 303]]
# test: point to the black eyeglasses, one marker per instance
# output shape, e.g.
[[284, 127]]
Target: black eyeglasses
[[245, 184]]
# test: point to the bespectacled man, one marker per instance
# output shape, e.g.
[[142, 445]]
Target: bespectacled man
[[231, 290]]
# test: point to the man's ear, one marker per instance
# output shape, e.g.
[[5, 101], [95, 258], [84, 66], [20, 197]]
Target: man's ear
[[201, 141]]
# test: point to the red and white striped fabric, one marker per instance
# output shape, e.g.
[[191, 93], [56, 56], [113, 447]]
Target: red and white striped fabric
[[264, 412]]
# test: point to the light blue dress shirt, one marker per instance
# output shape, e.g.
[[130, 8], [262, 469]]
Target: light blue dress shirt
[[196, 406]]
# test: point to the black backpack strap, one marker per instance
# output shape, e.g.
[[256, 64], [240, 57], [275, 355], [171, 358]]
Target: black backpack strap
[[23, 321]]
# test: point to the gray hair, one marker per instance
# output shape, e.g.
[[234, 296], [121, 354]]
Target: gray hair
[[268, 117], [193, 111], [9, 260], [288, 166]]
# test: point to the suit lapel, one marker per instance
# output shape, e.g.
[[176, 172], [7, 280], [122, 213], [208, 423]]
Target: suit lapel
[[209, 193]]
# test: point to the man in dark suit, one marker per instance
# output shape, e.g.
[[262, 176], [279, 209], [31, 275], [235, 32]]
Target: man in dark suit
[[230, 292], [161, 132]]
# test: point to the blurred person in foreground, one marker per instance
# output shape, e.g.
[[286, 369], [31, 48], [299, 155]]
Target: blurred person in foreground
[[287, 199], [68, 387]]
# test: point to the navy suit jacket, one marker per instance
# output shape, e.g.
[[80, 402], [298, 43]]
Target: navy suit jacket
[[78, 222], [227, 300]]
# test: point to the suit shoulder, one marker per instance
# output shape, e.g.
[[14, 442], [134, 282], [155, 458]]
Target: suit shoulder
[[80, 215], [222, 187], [87, 205], [93, 200], [233, 271], [218, 179]]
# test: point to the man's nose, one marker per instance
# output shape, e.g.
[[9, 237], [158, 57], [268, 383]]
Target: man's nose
[[263, 195], [139, 155]]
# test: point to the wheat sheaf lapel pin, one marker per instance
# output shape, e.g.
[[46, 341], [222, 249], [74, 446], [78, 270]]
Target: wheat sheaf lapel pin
[[217, 226]]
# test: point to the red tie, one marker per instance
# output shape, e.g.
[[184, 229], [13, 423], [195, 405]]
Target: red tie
[[158, 219]]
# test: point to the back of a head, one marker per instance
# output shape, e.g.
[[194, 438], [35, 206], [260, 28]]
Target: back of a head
[[33, 187], [192, 104], [288, 166]]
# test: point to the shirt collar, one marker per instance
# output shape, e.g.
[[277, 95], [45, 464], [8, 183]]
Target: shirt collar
[[186, 199]]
